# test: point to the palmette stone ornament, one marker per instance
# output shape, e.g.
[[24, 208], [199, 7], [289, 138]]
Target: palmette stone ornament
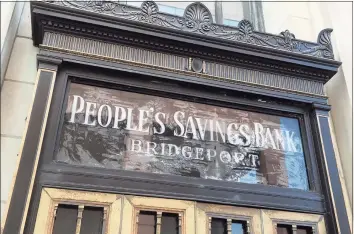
[[197, 19]]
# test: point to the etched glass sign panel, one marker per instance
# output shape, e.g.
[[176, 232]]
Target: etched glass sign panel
[[122, 130]]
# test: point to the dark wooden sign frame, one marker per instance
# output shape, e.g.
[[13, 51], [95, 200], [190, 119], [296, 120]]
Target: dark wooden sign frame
[[312, 112]]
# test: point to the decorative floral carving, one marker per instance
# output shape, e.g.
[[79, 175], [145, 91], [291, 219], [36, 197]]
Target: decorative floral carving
[[288, 41], [324, 47], [95, 6], [197, 12], [324, 39], [198, 19], [246, 29], [102, 6], [288, 36], [149, 8]]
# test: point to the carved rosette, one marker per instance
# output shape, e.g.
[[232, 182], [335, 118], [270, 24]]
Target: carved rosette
[[198, 19]]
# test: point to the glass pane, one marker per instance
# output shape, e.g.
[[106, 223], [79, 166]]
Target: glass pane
[[288, 19], [65, 220], [304, 230], [230, 22], [238, 227], [232, 12], [169, 223], [284, 229], [92, 220], [173, 8], [116, 129], [132, 3], [147, 222], [218, 226]]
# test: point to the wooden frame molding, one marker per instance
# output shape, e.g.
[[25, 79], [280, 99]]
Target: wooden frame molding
[[133, 204], [206, 211], [121, 213], [51, 198], [271, 218]]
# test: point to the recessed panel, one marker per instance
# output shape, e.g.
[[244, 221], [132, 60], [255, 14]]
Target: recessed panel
[[122, 130], [169, 223], [92, 220], [218, 226], [147, 222], [66, 219]]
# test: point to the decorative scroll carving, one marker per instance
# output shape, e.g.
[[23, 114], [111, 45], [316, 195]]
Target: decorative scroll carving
[[198, 19], [324, 48], [288, 42]]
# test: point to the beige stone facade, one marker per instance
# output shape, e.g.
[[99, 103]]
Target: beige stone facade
[[304, 19], [17, 86]]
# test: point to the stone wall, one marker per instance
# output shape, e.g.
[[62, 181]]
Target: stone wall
[[304, 19], [16, 96]]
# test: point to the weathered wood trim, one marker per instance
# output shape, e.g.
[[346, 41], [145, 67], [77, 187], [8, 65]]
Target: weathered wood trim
[[51, 198]]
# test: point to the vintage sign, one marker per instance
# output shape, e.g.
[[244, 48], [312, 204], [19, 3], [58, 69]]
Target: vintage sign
[[130, 131]]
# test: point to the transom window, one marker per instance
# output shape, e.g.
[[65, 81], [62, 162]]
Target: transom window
[[82, 212]]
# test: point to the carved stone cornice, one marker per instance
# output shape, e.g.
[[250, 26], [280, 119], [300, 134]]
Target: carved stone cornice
[[179, 64], [198, 20]]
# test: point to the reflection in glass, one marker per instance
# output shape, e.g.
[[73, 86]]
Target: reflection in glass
[[284, 229], [232, 12], [92, 220], [238, 227], [65, 219], [169, 223], [170, 9], [230, 22], [129, 131], [218, 226], [147, 222], [304, 230]]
